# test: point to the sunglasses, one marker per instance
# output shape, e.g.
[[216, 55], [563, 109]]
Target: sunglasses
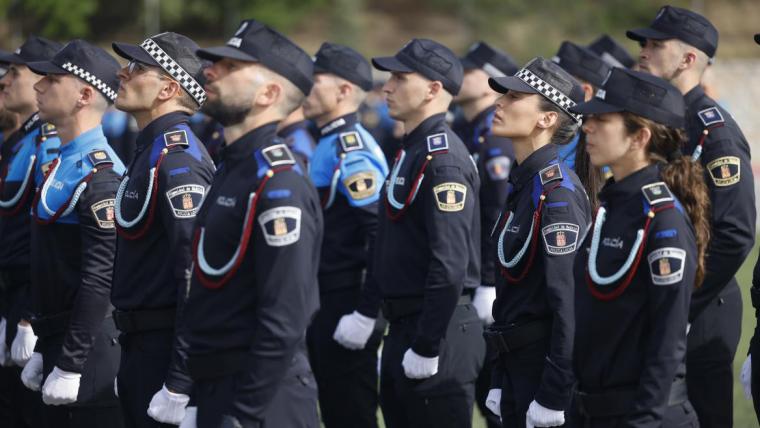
[[134, 67]]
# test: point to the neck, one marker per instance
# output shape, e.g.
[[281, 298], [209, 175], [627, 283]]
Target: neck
[[233, 132], [145, 117], [474, 107], [295, 117], [525, 146], [686, 82], [418, 116], [627, 166], [73, 126], [26, 113], [338, 112], [12, 127]]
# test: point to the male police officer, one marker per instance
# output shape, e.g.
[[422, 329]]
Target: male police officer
[[296, 131], [612, 52], [258, 235], [155, 210], [73, 243], [428, 249], [678, 46], [348, 168]]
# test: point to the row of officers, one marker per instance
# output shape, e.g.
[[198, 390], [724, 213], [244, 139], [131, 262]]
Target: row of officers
[[252, 292]]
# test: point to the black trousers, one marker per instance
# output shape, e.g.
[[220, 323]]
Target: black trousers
[[445, 399], [676, 416], [482, 386], [711, 347], [293, 406], [346, 379], [145, 358]]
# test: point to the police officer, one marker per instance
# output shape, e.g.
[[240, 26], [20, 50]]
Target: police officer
[[348, 169], [678, 46], [72, 241], [612, 52], [258, 236], [427, 249], [547, 214], [296, 130], [642, 259], [155, 210]]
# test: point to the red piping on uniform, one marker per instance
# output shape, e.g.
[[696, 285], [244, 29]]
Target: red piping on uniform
[[24, 197], [151, 210], [706, 132], [400, 213]]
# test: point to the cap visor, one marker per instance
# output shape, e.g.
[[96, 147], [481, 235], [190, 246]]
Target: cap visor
[[641, 34], [595, 106], [510, 83], [757, 39], [11, 58], [468, 64], [133, 52], [390, 63], [45, 68], [218, 52]]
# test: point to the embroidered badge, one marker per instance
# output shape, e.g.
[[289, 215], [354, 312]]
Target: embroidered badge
[[350, 141], [103, 212], [360, 185], [98, 157], [666, 265], [174, 138], [560, 238], [656, 193], [550, 173], [725, 171], [281, 226], [710, 116], [186, 200], [498, 168], [450, 197], [48, 130], [437, 142], [278, 154]]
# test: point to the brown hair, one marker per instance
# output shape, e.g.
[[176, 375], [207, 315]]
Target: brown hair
[[684, 178]]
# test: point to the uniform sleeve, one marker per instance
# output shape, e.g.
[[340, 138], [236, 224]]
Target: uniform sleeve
[[495, 164], [92, 302], [183, 183], [287, 238], [450, 205], [564, 223], [732, 194], [668, 267]]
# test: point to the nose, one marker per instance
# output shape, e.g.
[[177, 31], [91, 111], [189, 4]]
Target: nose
[[123, 74], [209, 73]]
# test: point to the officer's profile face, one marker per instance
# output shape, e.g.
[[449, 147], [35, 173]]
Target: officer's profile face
[[405, 94], [139, 86], [57, 96], [607, 141], [323, 98], [516, 115], [474, 86], [18, 88], [660, 58], [233, 88]]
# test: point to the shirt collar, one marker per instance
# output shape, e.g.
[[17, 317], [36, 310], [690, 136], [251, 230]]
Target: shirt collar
[[250, 142], [159, 126], [32, 122], [534, 163], [693, 96], [631, 185], [339, 124], [293, 127], [436, 121]]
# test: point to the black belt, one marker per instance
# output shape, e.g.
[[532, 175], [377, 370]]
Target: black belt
[[339, 280], [511, 339], [216, 365], [395, 309], [619, 401], [51, 325], [145, 320]]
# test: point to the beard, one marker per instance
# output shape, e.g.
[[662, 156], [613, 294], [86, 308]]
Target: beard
[[225, 114]]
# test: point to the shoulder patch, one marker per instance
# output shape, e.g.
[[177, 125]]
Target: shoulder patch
[[710, 116], [560, 238], [450, 197], [278, 154], [350, 141], [98, 157], [185, 200], [103, 213], [498, 168], [48, 130], [281, 226], [176, 138], [550, 173], [656, 193], [666, 265], [361, 185], [437, 142], [725, 171]]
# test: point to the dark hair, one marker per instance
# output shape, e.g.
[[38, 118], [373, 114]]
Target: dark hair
[[566, 127], [684, 178], [591, 177]]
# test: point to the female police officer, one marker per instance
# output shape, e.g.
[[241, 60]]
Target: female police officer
[[644, 255], [547, 214]]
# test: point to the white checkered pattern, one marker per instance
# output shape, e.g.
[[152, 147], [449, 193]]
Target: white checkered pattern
[[90, 78], [175, 70], [553, 94]]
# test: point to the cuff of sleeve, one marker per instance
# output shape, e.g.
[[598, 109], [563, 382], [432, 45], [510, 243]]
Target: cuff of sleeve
[[368, 309], [554, 392], [426, 348], [67, 365], [179, 383]]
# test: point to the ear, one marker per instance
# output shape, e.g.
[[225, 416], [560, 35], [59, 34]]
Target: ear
[[170, 89], [547, 119], [434, 88], [86, 96], [345, 91], [641, 138], [588, 91], [688, 60], [268, 94]]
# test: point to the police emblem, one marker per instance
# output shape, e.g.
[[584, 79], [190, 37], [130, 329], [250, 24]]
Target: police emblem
[[437, 142], [173, 138], [560, 238], [450, 197], [281, 226], [666, 265], [498, 168], [102, 212], [98, 157], [725, 171], [350, 141], [185, 200], [656, 193], [360, 185], [278, 154], [550, 173]]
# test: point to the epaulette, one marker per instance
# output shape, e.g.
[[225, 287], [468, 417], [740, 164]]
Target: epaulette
[[710, 116], [47, 130], [437, 142], [178, 137], [350, 141], [656, 193], [278, 154], [98, 157], [551, 173]]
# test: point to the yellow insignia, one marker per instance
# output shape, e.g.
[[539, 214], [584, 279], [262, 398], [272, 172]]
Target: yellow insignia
[[360, 185], [100, 155], [664, 266], [725, 171], [280, 227], [187, 201], [450, 197]]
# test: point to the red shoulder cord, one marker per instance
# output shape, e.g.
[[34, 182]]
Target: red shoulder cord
[[413, 191], [137, 234], [20, 205]]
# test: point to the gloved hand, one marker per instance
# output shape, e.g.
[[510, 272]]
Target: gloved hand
[[61, 387], [31, 376], [168, 407], [354, 330], [22, 347], [540, 416], [746, 377], [419, 367], [483, 302], [191, 418], [493, 401], [5, 355]]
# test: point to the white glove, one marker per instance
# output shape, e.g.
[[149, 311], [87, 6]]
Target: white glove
[[419, 367], [61, 387], [746, 377], [5, 355], [22, 347], [493, 401], [31, 376], [168, 407], [190, 419], [540, 416], [483, 302], [354, 330]]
